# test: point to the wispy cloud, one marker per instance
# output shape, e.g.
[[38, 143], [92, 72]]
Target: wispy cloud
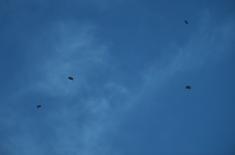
[[79, 108], [209, 43], [78, 113]]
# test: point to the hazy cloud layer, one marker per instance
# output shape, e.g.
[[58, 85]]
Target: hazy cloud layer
[[78, 116]]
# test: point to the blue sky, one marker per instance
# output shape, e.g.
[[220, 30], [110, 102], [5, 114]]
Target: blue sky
[[131, 61]]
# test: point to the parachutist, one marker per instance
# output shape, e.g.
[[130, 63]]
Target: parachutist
[[71, 78], [39, 106], [188, 87]]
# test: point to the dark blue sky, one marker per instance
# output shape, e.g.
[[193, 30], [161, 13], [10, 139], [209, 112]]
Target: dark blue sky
[[131, 61]]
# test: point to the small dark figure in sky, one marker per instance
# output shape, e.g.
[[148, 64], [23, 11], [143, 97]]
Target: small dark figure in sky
[[39, 106], [71, 78], [186, 21], [188, 87]]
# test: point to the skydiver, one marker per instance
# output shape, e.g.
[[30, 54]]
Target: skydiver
[[39, 106], [186, 21], [188, 87], [71, 78]]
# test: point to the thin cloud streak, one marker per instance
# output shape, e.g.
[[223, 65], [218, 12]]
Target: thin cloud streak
[[206, 46], [80, 121]]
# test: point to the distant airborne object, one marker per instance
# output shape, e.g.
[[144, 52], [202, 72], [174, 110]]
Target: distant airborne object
[[188, 87], [39, 106], [71, 78], [186, 21]]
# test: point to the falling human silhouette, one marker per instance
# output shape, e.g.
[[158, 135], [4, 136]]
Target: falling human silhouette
[[39, 106], [71, 78], [186, 21], [188, 87]]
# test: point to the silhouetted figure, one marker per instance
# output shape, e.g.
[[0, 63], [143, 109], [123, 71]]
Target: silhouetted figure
[[186, 21], [188, 87], [39, 106], [71, 78]]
